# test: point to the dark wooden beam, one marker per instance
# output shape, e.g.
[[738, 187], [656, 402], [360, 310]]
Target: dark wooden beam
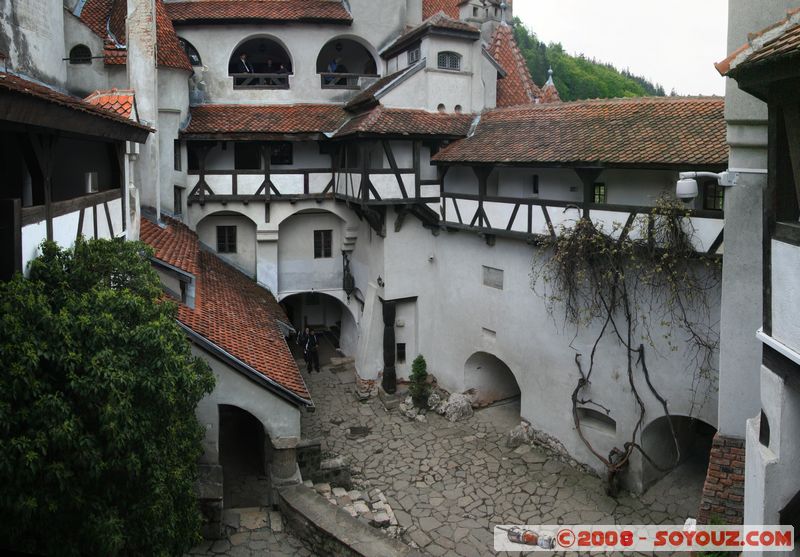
[[393, 165], [417, 148]]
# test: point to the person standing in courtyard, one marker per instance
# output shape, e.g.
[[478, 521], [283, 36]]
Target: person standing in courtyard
[[302, 337], [312, 351]]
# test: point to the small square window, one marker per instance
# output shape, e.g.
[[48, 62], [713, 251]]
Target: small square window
[[176, 154], [323, 244], [599, 192], [493, 277], [414, 55], [401, 352], [226, 239]]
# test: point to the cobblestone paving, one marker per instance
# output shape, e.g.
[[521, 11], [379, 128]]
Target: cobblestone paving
[[254, 532], [449, 483]]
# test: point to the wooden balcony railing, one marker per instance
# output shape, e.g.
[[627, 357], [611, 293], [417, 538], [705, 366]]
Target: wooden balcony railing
[[511, 216], [260, 80]]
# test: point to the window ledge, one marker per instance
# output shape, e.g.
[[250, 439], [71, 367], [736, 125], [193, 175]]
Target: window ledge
[[450, 72]]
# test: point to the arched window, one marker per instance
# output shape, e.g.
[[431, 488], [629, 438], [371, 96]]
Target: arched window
[[441, 108], [260, 63], [191, 52], [449, 61], [342, 62], [80, 54]]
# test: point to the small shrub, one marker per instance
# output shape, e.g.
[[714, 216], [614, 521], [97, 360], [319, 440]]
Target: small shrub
[[419, 387]]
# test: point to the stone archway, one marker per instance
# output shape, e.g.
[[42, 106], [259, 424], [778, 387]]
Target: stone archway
[[694, 443], [490, 379], [242, 444], [332, 320]]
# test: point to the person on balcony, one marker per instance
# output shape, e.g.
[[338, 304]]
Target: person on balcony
[[244, 66], [335, 66]]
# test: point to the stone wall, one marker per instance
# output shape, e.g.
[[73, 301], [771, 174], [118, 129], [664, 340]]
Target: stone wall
[[329, 530], [723, 492]]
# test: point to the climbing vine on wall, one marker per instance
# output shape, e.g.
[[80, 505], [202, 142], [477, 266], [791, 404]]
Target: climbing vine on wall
[[647, 286]]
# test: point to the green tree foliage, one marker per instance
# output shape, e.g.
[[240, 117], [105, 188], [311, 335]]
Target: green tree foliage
[[98, 388], [578, 77], [418, 387]]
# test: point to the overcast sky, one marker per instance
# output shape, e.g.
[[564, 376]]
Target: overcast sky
[[673, 43]]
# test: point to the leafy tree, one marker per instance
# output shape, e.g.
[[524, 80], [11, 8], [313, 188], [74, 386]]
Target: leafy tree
[[418, 386], [578, 77], [98, 387]]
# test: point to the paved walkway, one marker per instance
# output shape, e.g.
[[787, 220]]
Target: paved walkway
[[449, 483]]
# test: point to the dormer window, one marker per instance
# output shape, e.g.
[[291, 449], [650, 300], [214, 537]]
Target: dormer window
[[414, 55], [449, 61]]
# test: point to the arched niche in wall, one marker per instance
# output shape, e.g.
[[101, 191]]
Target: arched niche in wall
[[261, 62], [350, 56]]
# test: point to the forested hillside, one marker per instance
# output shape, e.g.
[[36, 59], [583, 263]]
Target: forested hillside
[[578, 77]]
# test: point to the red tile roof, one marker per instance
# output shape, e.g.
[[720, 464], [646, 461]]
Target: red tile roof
[[517, 87], [220, 11], [405, 122], [118, 101], [654, 131], [267, 119], [17, 84], [230, 310], [779, 39], [432, 7], [438, 21], [102, 16], [369, 96]]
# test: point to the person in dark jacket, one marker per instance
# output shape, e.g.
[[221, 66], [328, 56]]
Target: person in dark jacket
[[302, 338], [312, 351]]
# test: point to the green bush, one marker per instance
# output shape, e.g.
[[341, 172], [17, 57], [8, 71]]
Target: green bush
[[418, 387], [98, 388]]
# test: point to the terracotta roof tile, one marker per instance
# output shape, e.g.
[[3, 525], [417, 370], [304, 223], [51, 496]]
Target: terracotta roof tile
[[102, 16], [17, 84], [517, 87], [230, 310], [645, 131], [115, 100], [267, 119], [432, 7], [779, 39], [219, 11], [401, 121], [438, 20]]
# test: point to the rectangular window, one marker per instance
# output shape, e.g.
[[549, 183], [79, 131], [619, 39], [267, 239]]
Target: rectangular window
[[176, 154], [493, 277], [713, 196], [414, 55], [401, 352], [247, 156], [323, 242], [599, 192], [177, 200], [282, 153], [192, 158], [536, 185], [449, 61], [226, 239]]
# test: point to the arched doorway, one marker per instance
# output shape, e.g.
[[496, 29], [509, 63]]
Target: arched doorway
[[694, 439], [327, 316], [242, 442], [343, 61], [260, 63], [492, 383]]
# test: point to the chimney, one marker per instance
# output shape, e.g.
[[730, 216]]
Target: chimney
[[143, 78], [413, 12]]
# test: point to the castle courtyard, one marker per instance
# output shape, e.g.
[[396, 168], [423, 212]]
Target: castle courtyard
[[448, 483]]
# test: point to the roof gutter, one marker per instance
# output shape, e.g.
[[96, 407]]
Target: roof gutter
[[248, 371]]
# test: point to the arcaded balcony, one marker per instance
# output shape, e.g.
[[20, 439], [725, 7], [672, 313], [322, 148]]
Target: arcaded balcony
[[260, 63], [344, 64]]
